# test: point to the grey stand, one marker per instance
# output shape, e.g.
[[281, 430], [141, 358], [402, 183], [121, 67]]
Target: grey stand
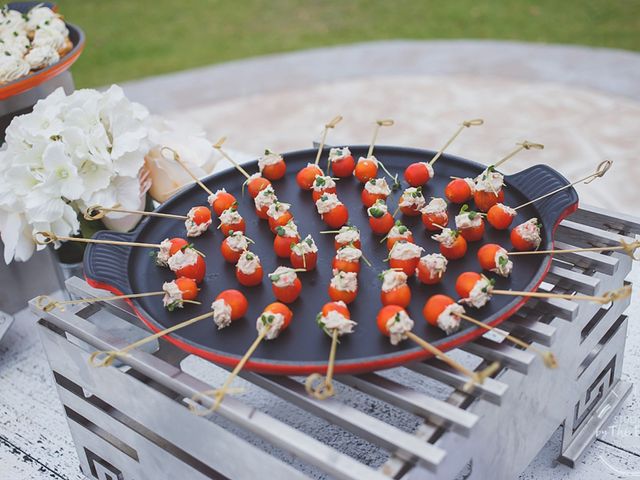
[[131, 421]]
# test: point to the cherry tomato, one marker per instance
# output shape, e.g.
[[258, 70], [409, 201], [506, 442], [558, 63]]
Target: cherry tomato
[[345, 265], [408, 266], [336, 217], [256, 185], [308, 261], [226, 228], [288, 294], [228, 253], [342, 295], [281, 221], [366, 170], [455, 251], [337, 245], [262, 212], [400, 296], [433, 221], [487, 255], [282, 245], [236, 300], [343, 167], [250, 279], [316, 194], [485, 200], [282, 309], [413, 209], [223, 201], [195, 271], [473, 234], [335, 307], [499, 218], [385, 314], [458, 191], [177, 244], [465, 283], [391, 241], [417, 174], [275, 171], [188, 287], [519, 243], [201, 215], [307, 175], [381, 225], [368, 198], [434, 306], [424, 275]]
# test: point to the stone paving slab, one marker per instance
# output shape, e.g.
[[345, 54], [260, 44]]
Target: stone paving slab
[[579, 127], [612, 71]]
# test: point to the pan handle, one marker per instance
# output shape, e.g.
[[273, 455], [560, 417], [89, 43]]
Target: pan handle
[[106, 265], [540, 179]]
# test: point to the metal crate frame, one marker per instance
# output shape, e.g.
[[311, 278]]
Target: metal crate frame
[[131, 421]]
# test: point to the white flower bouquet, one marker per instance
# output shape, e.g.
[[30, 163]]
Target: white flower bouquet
[[70, 153]]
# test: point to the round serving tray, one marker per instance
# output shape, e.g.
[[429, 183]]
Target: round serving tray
[[303, 348], [23, 84]]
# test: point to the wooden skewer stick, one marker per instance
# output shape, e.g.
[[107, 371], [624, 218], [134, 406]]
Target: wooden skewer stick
[[382, 123], [97, 212], [611, 296], [474, 377], [219, 393], [465, 124], [317, 386], [177, 158], [379, 123], [548, 357], [104, 358], [332, 124], [46, 303], [218, 146], [50, 237], [526, 145], [603, 168], [629, 248]]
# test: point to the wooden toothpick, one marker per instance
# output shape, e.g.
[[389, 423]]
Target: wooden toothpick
[[97, 212], [603, 168], [218, 146], [548, 357], [104, 358], [317, 386], [379, 123], [525, 145], [629, 248], [50, 237], [219, 393], [474, 377], [465, 124], [332, 124], [383, 123], [177, 158], [611, 296], [46, 303]]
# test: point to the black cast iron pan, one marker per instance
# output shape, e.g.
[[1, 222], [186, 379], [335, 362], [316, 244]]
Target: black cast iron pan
[[303, 347]]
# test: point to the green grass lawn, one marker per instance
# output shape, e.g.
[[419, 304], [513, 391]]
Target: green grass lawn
[[131, 39]]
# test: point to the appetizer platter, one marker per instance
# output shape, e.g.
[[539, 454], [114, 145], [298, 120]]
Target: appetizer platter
[[36, 45], [377, 242]]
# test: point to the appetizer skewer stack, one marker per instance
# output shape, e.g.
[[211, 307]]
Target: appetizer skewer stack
[[408, 254]]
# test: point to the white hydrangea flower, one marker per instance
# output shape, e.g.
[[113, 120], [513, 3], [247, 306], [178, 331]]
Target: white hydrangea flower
[[71, 152]]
